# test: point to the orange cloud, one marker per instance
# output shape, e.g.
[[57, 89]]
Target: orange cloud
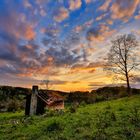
[[101, 17], [105, 6], [78, 29], [29, 33], [137, 17], [74, 4], [61, 14], [109, 21], [90, 68], [119, 11], [42, 30], [83, 70]]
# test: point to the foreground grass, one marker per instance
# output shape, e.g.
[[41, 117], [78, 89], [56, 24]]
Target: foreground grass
[[110, 120]]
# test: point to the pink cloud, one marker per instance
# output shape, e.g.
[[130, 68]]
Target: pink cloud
[[124, 9]]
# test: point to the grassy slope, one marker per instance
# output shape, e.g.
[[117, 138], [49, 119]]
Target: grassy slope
[[111, 120]]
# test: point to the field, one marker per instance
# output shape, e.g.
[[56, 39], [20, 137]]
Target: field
[[110, 120]]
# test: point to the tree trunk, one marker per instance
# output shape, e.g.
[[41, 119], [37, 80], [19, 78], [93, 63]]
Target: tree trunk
[[128, 85]]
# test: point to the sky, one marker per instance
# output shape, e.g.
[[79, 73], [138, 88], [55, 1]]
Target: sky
[[63, 41]]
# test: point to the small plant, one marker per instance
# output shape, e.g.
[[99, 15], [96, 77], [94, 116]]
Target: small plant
[[108, 106], [83, 103], [99, 98], [73, 107], [113, 116], [129, 133]]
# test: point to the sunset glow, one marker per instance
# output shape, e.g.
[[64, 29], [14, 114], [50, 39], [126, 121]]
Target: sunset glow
[[65, 41]]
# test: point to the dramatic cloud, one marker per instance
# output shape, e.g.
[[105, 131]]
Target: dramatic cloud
[[61, 57], [64, 40]]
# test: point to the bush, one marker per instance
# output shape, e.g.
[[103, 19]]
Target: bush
[[53, 126], [99, 98]]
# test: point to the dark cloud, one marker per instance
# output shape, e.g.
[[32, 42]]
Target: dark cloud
[[7, 46], [52, 31], [61, 56], [29, 50], [136, 79], [7, 38], [61, 51], [93, 33], [9, 69], [96, 84], [7, 55], [46, 41], [58, 82]]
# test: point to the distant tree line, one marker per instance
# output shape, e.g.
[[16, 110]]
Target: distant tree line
[[13, 98]]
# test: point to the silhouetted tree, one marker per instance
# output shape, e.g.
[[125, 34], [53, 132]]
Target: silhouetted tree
[[122, 58], [47, 84]]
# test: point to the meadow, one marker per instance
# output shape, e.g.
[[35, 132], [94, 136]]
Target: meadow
[[109, 120]]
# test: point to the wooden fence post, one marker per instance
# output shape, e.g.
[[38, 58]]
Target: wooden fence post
[[33, 104]]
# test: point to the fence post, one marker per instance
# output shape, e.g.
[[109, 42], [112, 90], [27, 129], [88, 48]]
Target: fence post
[[33, 103]]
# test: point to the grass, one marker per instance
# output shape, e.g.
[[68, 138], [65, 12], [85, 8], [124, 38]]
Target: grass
[[110, 120]]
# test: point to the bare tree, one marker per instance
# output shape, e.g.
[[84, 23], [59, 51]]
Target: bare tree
[[123, 58], [47, 84]]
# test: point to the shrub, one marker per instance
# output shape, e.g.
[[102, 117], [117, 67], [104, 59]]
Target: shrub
[[54, 126], [83, 103], [13, 105], [129, 133]]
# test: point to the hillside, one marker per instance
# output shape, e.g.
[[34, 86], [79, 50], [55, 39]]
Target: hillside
[[110, 120]]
